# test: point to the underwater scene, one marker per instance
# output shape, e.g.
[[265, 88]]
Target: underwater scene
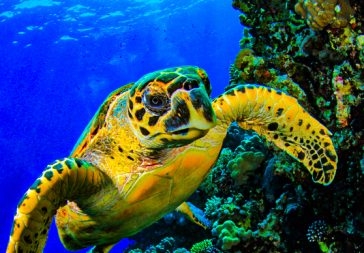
[[182, 126]]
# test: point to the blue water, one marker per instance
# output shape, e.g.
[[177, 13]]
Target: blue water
[[60, 59]]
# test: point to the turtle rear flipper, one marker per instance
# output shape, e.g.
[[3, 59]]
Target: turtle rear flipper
[[194, 214], [66, 179], [101, 249], [282, 120]]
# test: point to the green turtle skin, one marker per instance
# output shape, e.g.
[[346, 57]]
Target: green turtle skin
[[148, 148]]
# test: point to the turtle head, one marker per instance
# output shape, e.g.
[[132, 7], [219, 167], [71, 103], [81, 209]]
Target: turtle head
[[171, 107]]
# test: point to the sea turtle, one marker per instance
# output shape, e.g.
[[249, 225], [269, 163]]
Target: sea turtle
[[148, 148]]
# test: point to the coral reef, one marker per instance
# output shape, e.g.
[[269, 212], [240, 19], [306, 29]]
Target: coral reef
[[277, 43], [322, 13], [348, 91], [244, 164], [166, 245], [231, 236], [258, 198], [246, 160]]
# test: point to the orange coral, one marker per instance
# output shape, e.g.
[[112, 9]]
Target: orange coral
[[322, 13]]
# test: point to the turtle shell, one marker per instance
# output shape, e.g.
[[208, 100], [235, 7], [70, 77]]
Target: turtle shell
[[97, 121]]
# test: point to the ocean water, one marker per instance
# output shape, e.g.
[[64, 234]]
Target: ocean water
[[60, 59]]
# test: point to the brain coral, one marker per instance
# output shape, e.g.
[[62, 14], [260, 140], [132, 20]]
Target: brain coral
[[322, 13]]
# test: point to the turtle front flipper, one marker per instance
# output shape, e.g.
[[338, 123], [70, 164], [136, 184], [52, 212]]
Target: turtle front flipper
[[66, 179], [282, 120]]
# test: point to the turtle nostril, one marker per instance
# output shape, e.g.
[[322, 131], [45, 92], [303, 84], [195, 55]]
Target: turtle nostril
[[190, 84]]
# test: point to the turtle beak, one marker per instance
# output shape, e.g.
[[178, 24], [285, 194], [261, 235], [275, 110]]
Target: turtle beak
[[191, 112]]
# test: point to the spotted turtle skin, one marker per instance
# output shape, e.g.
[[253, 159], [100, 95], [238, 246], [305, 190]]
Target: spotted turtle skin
[[148, 148]]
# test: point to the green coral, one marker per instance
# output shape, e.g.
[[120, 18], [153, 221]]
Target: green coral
[[229, 234], [344, 42], [217, 207], [235, 164], [211, 183], [285, 166], [204, 246], [251, 142], [286, 84], [244, 165]]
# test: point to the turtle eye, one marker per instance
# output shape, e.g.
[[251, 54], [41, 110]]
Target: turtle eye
[[157, 103]]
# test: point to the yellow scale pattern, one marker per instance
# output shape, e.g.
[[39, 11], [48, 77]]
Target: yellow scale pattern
[[63, 180], [281, 119]]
